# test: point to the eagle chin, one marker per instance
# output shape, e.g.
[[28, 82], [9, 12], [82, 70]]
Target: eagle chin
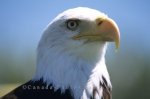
[[71, 58]]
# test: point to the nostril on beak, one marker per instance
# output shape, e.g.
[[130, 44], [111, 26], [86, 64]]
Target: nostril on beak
[[100, 22]]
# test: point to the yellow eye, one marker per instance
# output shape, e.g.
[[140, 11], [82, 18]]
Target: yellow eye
[[72, 24]]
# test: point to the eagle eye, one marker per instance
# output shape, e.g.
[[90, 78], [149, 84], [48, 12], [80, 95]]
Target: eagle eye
[[72, 24]]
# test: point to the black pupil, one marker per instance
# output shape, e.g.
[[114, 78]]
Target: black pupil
[[72, 24]]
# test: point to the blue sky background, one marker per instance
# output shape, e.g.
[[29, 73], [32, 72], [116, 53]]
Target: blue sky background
[[22, 23]]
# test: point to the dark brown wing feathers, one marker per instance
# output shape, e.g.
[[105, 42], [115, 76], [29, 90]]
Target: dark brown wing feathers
[[106, 89]]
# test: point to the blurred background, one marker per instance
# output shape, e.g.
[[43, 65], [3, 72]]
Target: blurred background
[[22, 23]]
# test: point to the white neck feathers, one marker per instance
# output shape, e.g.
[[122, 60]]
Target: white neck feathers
[[65, 70]]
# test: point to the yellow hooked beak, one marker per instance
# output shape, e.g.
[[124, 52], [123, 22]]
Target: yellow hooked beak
[[102, 30]]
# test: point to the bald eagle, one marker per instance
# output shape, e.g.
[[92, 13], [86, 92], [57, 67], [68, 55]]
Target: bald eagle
[[71, 58]]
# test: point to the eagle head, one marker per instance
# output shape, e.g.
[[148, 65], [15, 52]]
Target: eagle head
[[72, 45]]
